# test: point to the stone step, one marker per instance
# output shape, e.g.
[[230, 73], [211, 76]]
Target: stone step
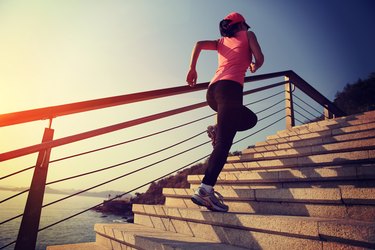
[[340, 175], [134, 236], [259, 231], [342, 157], [356, 144], [327, 125], [315, 184], [311, 142], [362, 169], [79, 246], [349, 203], [340, 121], [336, 129], [331, 124], [313, 134], [357, 175]]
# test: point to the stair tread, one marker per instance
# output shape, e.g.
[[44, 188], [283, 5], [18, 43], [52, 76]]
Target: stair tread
[[288, 150], [358, 204], [341, 157], [314, 153], [78, 246], [349, 172], [297, 226], [317, 137], [317, 195], [332, 124], [310, 142], [152, 238], [315, 130]]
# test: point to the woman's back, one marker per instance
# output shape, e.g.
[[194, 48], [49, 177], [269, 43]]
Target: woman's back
[[234, 57]]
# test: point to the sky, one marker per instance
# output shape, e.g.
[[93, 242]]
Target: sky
[[58, 52]]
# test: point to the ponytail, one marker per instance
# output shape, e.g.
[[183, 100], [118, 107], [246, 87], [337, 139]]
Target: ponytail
[[228, 30]]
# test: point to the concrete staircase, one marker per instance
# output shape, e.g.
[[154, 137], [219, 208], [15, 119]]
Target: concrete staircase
[[311, 187]]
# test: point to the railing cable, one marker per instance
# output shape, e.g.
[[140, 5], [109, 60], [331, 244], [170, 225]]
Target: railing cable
[[263, 99], [124, 175], [133, 140], [299, 121], [14, 196], [111, 146], [270, 106], [144, 156], [306, 103], [261, 129], [147, 166], [139, 138], [15, 173], [271, 115], [110, 167], [304, 110], [302, 116], [174, 171], [114, 179], [118, 196], [126, 162], [10, 219], [135, 171]]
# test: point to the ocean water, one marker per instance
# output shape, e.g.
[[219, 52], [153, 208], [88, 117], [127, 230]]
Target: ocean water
[[76, 230]]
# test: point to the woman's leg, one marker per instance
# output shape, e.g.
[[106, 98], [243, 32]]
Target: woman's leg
[[246, 120], [226, 98]]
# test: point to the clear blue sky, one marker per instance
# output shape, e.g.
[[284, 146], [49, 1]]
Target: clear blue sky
[[57, 52]]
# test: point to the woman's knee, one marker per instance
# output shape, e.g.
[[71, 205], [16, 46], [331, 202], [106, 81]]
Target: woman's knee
[[248, 120]]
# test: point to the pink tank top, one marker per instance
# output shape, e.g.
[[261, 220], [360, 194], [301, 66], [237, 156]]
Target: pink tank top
[[234, 57]]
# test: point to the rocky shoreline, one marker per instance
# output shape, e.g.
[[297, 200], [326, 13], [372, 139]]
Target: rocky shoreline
[[121, 208]]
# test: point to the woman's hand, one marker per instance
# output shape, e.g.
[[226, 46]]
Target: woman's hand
[[257, 52], [191, 77], [253, 67]]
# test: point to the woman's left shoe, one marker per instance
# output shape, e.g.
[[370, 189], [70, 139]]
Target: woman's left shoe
[[211, 200]]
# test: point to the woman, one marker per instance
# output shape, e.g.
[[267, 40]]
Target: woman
[[236, 49]]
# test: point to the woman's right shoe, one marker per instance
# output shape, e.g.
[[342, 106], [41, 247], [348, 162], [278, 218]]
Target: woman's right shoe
[[211, 200]]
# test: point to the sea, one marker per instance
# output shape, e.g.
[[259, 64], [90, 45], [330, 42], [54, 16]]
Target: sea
[[76, 230]]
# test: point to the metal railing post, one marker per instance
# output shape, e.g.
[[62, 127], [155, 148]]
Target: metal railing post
[[289, 110], [28, 232], [327, 114], [315, 95]]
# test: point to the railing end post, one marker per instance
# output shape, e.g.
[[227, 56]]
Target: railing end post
[[328, 114], [289, 110]]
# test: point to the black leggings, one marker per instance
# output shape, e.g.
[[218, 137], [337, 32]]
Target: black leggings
[[225, 97]]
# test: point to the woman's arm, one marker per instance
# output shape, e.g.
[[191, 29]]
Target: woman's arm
[[192, 76], [256, 51]]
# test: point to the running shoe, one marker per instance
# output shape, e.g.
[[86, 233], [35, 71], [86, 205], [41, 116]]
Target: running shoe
[[211, 200], [211, 132]]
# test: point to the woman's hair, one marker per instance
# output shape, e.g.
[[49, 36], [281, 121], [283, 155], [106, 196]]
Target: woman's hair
[[228, 30]]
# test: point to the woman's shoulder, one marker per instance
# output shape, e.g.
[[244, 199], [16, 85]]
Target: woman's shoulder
[[250, 33]]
